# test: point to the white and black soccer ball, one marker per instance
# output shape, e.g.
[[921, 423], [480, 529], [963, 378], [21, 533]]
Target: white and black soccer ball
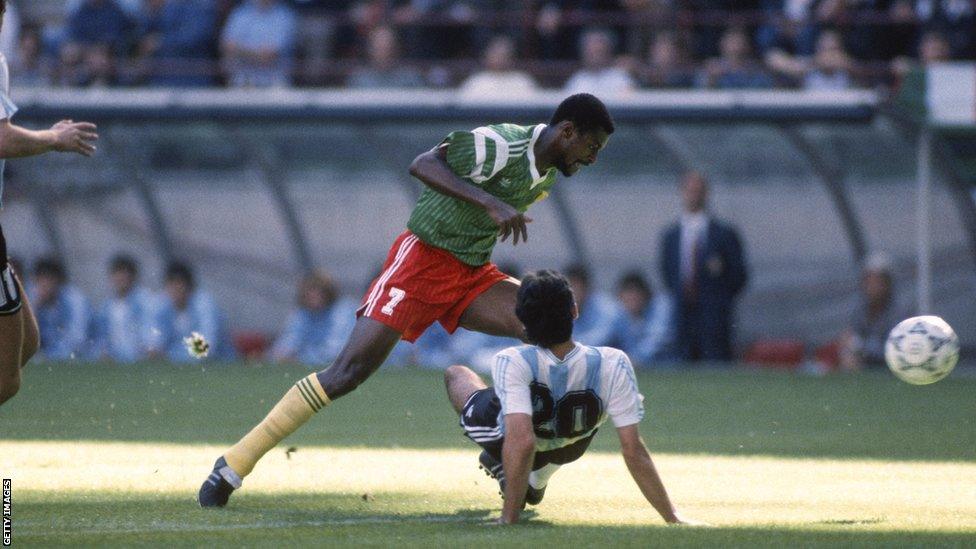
[[922, 350]]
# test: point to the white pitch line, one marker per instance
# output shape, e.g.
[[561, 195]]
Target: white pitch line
[[180, 527]]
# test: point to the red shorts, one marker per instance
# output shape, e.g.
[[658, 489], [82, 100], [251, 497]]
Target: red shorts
[[421, 284]]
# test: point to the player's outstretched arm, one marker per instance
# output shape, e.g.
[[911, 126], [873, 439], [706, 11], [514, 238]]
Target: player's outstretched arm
[[65, 136], [518, 452], [645, 475], [433, 170]]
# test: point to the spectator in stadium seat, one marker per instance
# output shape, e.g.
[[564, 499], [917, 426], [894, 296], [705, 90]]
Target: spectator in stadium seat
[[498, 78], [384, 69], [709, 19], [863, 36], [735, 67], [703, 265], [878, 310], [955, 20], [788, 26], [553, 39], [601, 319], [182, 309], [667, 64], [28, 67], [829, 69], [599, 75], [124, 321], [899, 37], [932, 48], [320, 31], [98, 33], [178, 42], [456, 37], [636, 39], [318, 327], [647, 334], [257, 44], [63, 312]]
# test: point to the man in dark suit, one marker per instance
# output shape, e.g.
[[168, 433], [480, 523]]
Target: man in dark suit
[[703, 265]]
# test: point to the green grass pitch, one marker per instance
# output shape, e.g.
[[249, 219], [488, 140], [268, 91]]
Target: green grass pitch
[[109, 455]]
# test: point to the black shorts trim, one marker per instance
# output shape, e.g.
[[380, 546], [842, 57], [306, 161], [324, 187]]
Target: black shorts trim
[[479, 419], [10, 298]]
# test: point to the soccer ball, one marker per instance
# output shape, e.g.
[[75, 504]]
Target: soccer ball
[[922, 350], [197, 345]]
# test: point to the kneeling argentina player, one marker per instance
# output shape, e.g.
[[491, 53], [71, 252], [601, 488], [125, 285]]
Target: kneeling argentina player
[[548, 401]]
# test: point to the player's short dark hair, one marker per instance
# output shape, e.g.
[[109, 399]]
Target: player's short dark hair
[[3, 6], [586, 112], [634, 279], [50, 266], [579, 272], [545, 307], [177, 270], [123, 262]]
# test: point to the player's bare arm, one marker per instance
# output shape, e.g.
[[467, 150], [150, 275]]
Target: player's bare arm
[[518, 452], [433, 170], [65, 136], [642, 468]]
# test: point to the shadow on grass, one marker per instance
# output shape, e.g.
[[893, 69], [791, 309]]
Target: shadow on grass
[[396, 519], [734, 412]]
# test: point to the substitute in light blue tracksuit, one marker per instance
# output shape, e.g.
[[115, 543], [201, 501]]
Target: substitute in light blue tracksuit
[[183, 309], [124, 321]]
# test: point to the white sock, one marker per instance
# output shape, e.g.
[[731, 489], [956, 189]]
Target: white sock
[[231, 476], [539, 478]]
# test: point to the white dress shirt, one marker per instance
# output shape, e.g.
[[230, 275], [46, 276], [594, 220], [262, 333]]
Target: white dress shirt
[[693, 226]]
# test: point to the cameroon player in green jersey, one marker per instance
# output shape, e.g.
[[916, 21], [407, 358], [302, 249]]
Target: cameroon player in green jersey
[[479, 185]]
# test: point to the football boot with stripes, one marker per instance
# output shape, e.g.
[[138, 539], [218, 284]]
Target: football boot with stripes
[[216, 490]]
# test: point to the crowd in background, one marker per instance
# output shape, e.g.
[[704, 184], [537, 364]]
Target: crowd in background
[[486, 47], [690, 319], [133, 324], [136, 323]]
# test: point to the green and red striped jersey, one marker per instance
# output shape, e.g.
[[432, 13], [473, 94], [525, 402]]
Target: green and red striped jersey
[[500, 160]]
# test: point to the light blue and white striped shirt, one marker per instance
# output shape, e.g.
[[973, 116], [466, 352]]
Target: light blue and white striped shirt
[[568, 399], [65, 322], [7, 108], [315, 338], [124, 326], [170, 325]]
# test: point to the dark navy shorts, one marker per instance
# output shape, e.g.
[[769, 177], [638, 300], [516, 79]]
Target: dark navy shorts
[[10, 300], [479, 419]]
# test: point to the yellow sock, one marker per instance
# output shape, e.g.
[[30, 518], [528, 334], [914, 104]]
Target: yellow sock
[[295, 408]]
